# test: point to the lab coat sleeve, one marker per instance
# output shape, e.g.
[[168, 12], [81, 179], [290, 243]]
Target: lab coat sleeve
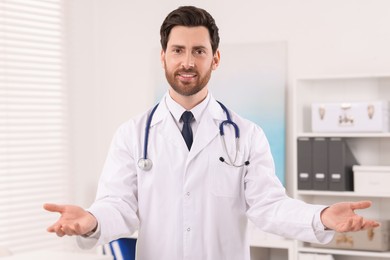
[[268, 206], [116, 204]]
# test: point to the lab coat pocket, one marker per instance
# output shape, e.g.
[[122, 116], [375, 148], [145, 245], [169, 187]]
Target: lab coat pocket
[[227, 180]]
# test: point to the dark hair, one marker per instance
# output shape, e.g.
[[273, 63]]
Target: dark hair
[[190, 16]]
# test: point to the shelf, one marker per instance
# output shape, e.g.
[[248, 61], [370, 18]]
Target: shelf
[[340, 193], [348, 135], [284, 244], [272, 243], [345, 252], [369, 148], [343, 77]]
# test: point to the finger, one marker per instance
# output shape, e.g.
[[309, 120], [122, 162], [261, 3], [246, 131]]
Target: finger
[[370, 224], [360, 204], [68, 230], [53, 207], [54, 227], [58, 230], [60, 233], [357, 224], [51, 229]]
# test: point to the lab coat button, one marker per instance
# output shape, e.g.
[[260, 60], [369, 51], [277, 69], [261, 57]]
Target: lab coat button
[[188, 229], [188, 193]]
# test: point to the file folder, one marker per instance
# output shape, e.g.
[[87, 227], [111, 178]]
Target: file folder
[[305, 172], [341, 161], [320, 163]]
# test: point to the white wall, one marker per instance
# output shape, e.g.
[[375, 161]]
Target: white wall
[[114, 51]]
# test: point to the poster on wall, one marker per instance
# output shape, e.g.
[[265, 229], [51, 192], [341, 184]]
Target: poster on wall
[[251, 80]]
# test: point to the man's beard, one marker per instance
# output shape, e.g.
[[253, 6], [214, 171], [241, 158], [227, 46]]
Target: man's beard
[[187, 89]]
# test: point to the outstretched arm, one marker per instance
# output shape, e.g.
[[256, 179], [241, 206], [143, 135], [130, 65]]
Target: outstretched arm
[[341, 217], [74, 220]]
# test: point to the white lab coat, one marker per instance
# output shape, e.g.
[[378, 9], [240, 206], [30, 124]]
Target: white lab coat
[[190, 205]]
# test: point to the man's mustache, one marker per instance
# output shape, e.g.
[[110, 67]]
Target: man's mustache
[[187, 71]]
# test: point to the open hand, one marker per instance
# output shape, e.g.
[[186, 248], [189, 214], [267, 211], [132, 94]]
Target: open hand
[[74, 220], [341, 217]]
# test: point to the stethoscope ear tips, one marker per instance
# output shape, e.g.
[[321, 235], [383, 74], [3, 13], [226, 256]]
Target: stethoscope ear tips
[[246, 163]]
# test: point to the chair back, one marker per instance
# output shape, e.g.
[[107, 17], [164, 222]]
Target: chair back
[[121, 249]]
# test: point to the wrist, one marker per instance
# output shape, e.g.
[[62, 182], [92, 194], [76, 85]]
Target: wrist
[[91, 232], [95, 226]]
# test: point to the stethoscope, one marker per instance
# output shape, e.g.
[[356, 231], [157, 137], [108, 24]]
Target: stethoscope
[[146, 164]]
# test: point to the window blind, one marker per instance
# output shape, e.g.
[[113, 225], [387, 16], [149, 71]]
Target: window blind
[[33, 121]]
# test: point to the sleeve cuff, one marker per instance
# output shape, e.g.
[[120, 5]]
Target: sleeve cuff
[[93, 233], [323, 234], [89, 242], [317, 223]]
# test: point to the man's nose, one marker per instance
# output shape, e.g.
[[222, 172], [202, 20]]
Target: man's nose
[[188, 61]]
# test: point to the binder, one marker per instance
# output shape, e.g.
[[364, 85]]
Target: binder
[[341, 161], [305, 172], [320, 163]]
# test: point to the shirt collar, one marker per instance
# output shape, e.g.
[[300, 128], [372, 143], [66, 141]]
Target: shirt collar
[[177, 110]]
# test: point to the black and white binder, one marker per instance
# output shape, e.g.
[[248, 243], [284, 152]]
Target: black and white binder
[[320, 163], [341, 161], [305, 171]]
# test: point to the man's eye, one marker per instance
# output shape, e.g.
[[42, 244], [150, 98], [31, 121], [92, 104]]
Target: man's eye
[[176, 50], [200, 51]]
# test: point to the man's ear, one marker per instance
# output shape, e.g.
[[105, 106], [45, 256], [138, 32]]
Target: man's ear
[[216, 60], [162, 58]]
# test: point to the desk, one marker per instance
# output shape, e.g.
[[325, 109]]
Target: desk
[[56, 255]]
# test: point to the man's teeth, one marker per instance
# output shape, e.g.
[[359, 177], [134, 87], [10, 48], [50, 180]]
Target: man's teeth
[[187, 75]]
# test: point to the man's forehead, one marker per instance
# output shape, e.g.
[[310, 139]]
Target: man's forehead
[[184, 35]]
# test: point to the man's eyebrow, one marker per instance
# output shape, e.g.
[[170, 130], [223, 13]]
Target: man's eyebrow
[[177, 46], [183, 47], [199, 47]]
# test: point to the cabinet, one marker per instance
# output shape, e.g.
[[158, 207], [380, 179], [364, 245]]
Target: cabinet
[[264, 246], [368, 148]]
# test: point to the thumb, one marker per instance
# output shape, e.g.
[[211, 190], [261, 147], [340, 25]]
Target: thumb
[[53, 207], [361, 204]]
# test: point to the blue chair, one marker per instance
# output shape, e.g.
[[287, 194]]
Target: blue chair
[[121, 249]]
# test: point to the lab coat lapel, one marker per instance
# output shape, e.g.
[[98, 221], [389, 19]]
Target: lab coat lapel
[[208, 128], [167, 128]]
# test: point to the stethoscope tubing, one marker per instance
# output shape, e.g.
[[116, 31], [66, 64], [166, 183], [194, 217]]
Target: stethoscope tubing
[[146, 164], [147, 127], [228, 121]]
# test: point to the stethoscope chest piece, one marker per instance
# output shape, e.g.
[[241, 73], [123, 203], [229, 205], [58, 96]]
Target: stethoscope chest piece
[[145, 164]]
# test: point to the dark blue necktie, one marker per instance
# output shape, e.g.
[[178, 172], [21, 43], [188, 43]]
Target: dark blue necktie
[[187, 117]]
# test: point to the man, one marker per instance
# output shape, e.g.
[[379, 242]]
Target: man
[[194, 203]]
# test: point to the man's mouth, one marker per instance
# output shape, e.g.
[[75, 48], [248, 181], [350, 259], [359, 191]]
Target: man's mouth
[[186, 76]]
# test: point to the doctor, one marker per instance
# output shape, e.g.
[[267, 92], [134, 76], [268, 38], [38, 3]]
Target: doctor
[[195, 199]]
